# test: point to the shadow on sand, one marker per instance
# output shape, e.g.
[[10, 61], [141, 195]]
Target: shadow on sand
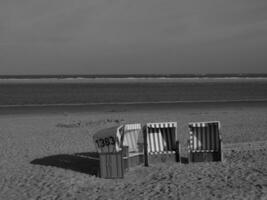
[[87, 163]]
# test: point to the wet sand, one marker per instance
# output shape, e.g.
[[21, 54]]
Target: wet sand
[[44, 153]]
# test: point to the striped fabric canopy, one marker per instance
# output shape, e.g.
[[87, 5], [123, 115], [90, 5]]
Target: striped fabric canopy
[[204, 136], [132, 137], [161, 137]]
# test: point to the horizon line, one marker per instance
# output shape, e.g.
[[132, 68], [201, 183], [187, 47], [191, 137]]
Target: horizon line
[[154, 75]]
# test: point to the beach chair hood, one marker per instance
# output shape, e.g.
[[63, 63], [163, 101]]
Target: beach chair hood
[[133, 137], [109, 139]]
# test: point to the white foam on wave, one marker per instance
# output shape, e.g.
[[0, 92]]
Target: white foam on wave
[[128, 79]]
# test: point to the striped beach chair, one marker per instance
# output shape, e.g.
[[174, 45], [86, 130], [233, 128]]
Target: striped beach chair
[[160, 141], [205, 143]]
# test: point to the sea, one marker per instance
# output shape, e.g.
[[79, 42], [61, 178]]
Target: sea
[[52, 90]]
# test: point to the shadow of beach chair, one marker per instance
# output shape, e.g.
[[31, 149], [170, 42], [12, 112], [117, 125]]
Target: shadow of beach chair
[[85, 162], [160, 142], [205, 143]]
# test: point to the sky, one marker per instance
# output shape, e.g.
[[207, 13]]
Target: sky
[[132, 36]]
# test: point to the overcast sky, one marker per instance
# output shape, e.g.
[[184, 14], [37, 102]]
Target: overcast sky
[[133, 36]]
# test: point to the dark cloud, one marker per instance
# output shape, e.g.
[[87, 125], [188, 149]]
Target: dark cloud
[[140, 36]]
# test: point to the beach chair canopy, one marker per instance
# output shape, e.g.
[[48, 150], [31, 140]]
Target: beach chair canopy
[[161, 137], [204, 136], [133, 137], [109, 139]]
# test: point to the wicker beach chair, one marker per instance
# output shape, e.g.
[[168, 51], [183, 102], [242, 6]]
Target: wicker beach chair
[[119, 148], [108, 145], [160, 142], [205, 143]]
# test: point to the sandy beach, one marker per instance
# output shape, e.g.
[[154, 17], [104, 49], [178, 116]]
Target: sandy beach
[[44, 153]]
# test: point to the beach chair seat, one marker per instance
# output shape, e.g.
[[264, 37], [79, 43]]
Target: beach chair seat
[[205, 143], [161, 142]]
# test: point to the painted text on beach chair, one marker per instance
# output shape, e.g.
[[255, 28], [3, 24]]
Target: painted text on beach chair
[[161, 141], [109, 140], [204, 141]]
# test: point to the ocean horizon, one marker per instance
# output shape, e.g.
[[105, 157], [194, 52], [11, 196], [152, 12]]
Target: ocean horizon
[[128, 76]]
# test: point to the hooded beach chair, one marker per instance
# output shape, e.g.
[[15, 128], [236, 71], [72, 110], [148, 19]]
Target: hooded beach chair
[[205, 143], [108, 144], [119, 148], [160, 142]]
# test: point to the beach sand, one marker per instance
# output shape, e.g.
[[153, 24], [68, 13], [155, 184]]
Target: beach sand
[[43, 153]]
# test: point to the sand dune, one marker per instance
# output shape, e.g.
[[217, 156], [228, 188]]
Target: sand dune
[[48, 156]]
